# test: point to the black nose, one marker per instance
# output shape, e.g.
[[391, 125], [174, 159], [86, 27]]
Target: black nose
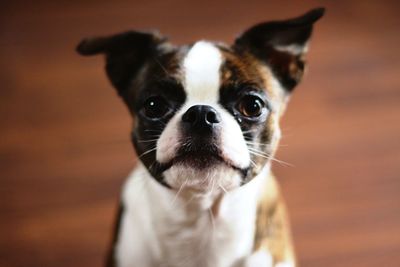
[[201, 118]]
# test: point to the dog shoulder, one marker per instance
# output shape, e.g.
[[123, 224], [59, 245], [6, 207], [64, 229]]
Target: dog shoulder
[[134, 239], [272, 224]]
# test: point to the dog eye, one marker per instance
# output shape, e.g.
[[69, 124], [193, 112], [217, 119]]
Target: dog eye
[[251, 106], [155, 107]]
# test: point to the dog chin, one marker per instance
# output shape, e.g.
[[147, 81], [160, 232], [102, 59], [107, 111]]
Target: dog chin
[[217, 177]]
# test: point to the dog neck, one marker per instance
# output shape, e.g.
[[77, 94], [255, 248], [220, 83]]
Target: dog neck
[[192, 202], [221, 222]]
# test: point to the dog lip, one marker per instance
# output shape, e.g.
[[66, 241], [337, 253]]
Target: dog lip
[[189, 158], [193, 155]]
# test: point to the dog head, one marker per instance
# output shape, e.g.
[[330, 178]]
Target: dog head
[[207, 114]]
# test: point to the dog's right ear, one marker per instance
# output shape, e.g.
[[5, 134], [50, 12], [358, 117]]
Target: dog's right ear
[[282, 45], [126, 53]]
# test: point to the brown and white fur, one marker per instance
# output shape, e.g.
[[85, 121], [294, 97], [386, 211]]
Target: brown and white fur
[[205, 128]]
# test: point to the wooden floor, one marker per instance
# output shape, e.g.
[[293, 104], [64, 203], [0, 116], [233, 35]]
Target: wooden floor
[[65, 150]]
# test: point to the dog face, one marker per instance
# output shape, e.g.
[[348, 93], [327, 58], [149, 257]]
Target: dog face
[[206, 115]]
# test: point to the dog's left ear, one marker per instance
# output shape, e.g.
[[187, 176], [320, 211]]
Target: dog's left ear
[[126, 53], [281, 45]]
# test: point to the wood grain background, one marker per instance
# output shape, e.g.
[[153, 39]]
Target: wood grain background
[[64, 139]]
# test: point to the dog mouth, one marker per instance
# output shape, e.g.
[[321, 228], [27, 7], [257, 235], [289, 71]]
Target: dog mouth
[[196, 157], [200, 158]]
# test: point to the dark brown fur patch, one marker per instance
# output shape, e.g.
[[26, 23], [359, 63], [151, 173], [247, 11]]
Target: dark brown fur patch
[[239, 69], [288, 68]]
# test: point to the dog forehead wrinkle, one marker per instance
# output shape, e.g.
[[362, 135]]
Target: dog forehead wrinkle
[[201, 68]]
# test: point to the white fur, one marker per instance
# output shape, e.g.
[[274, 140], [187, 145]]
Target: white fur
[[201, 68], [218, 178], [168, 142], [293, 49], [285, 264], [161, 228], [259, 258]]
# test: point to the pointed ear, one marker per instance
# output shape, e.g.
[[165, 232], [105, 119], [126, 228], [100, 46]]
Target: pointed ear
[[126, 53], [281, 44]]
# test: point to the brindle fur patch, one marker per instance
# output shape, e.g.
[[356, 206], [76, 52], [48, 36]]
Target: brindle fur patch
[[246, 69], [272, 225]]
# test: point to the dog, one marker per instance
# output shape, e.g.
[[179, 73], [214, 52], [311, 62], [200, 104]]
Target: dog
[[205, 128]]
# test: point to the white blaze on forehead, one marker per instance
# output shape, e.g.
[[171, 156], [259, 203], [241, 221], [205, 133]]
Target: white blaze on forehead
[[201, 68]]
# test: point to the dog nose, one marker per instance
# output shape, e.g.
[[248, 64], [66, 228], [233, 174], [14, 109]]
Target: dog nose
[[201, 118]]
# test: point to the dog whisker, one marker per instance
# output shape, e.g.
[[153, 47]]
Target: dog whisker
[[179, 191], [147, 152], [212, 221], [190, 200], [151, 166], [257, 144], [223, 188], [251, 143], [258, 151], [252, 162], [154, 131], [250, 131], [162, 67], [266, 156], [153, 136], [147, 141]]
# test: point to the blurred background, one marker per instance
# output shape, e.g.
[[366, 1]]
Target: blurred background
[[64, 138]]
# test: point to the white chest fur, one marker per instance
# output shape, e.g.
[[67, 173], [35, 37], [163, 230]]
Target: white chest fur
[[159, 228]]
